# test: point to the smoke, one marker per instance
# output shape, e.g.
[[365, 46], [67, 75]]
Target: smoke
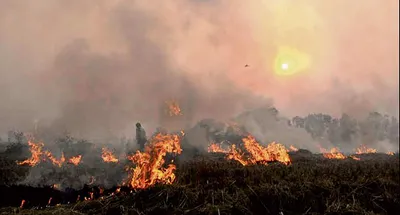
[[96, 67]]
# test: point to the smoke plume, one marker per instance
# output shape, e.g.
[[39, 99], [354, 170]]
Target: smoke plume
[[96, 67]]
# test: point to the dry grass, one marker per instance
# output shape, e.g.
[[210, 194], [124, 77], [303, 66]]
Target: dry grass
[[211, 185]]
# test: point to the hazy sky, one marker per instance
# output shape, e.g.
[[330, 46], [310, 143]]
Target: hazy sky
[[98, 66]]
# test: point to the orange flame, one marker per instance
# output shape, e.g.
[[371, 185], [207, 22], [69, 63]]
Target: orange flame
[[108, 156], [273, 152], [237, 155], [390, 153], [293, 149], [22, 203], [36, 151], [118, 190], [257, 153], [49, 202], [216, 148], [56, 186], [363, 149], [75, 160], [149, 164], [355, 158], [334, 153], [38, 154], [55, 161], [173, 108]]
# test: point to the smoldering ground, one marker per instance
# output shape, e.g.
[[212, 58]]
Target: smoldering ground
[[94, 68]]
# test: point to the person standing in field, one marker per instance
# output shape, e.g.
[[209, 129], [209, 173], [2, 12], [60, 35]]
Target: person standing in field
[[140, 136]]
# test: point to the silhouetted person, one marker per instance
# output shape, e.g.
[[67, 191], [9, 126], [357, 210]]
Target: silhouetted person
[[140, 136]]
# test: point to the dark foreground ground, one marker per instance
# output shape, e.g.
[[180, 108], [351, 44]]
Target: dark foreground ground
[[211, 185]]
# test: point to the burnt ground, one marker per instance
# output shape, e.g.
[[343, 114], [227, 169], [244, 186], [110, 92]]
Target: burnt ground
[[209, 184]]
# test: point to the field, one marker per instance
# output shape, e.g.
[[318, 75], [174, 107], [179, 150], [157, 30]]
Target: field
[[209, 184]]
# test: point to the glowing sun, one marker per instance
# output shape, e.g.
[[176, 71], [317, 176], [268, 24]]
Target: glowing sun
[[289, 61]]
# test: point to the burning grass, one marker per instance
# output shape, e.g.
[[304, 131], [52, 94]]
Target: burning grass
[[255, 152], [210, 185], [239, 179], [149, 168]]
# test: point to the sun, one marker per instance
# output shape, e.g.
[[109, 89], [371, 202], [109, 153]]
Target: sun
[[290, 61], [285, 66]]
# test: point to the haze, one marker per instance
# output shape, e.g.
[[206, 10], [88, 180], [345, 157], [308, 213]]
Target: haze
[[95, 67]]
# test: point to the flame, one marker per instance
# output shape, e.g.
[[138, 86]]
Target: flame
[[390, 153], [273, 152], [91, 195], [355, 158], [149, 168], [36, 151], [173, 108], [363, 149], [22, 203], [237, 155], [334, 153], [216, 148], [38, 154], [257, 153], [293, 149], [55, 160], [108, 156], [75, 160], [49, 202]]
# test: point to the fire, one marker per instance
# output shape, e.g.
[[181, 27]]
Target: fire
[[75, 160], [216, 148], [363, 149], [36, 151], [91, 196], [293, 149], [334, 153], [149, 168], [108, 156], [38, 154], [55, 160], [273, 152], [257, 153], [49, 202], [22, 203], [117, 190], [390, 153], [237, 155], [173, 108], [355, 158]]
